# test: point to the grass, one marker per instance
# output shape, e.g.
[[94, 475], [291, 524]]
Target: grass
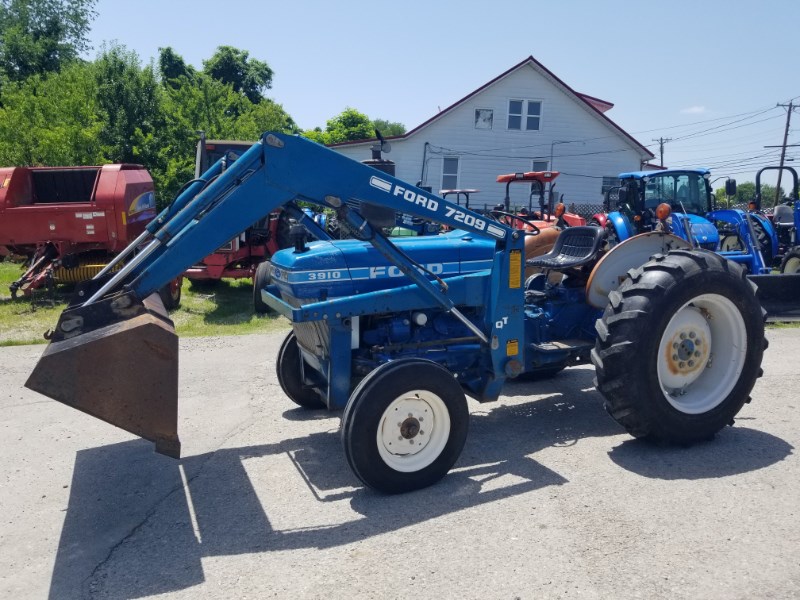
[[225, 308]]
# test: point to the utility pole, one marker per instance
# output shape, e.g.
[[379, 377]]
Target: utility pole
[[789, 108], [661, 141]]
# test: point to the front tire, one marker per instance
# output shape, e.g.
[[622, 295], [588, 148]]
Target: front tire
[[289, 370], [679, 347], [171, 293], [260, 281], [791, 261], [405, 425]]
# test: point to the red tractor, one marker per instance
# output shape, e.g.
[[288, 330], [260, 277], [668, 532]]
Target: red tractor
[[247, 255], [526, 217], [69, 221]]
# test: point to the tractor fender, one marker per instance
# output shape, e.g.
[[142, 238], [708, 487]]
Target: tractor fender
[[599, 219], [621, 224], [612, 269]]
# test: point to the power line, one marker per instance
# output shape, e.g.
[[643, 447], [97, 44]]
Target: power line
[[661, 141]]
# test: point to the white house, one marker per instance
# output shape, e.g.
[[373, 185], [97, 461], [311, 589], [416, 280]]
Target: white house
[[525, 119]]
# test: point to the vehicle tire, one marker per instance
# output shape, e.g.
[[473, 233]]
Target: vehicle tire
[[171, 293], [288, 369], [395, 454], [764, 240], [730, 243], [260, 281], [679, 347], [612, 239], [791, 261]]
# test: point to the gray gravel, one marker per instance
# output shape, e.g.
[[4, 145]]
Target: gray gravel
[[550, 498]]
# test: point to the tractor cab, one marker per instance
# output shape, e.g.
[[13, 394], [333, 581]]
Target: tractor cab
[[672, 199]]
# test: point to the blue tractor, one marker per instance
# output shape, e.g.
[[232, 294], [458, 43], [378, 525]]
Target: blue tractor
[[785, 218], [680, 202], [398, 332]]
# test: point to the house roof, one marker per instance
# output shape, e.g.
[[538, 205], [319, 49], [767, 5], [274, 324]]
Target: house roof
[[595, 105]]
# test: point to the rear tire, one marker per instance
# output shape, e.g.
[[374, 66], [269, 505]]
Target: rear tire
[[288, 368], [679, 347], [261, 280], [405, 425]]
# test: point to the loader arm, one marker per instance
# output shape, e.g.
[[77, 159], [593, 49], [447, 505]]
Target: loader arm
[[118, 323], [276, 170]]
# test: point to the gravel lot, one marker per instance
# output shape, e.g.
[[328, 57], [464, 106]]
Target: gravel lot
[[550, 498]]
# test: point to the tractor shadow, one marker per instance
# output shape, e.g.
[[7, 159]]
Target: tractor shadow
[[132, 529]]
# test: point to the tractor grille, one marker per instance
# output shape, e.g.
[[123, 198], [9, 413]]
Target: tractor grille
[[313, 336]]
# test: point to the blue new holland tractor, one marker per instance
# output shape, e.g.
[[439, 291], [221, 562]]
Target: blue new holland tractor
[[681, 202], [398, 332]]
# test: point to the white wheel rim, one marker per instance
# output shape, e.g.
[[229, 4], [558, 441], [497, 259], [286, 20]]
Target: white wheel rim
[[792, 265], [730, 243], [702, 353], [413, 431]]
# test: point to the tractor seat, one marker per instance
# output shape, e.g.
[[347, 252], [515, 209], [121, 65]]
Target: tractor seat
[[783, 216], [574, 247]]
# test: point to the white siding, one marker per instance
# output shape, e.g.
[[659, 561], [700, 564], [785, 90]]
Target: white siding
[[484, 154]]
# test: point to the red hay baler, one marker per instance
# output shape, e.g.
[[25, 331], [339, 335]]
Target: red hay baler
[[69, 221]]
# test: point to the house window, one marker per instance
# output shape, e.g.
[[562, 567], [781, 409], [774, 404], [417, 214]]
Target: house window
[[540, 166], [450, 173], [524, 114], [483, 118]]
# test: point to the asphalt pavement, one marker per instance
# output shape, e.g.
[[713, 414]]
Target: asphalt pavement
[[550, 498]]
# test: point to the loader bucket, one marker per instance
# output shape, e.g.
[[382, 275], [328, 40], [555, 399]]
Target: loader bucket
[[779, 295], [116, 360]]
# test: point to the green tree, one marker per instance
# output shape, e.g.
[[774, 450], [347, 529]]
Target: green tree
[[351, 125], [129, 102], [171, 66], [203, 103], [41, 36], [52, 120], [248, 76], [348, 125], [388, 128]]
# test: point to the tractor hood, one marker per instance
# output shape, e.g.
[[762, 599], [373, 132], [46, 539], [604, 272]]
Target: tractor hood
[[350, 267], [704, 233]]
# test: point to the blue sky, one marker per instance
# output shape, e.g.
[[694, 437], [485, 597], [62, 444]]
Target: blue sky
[[707, 74]]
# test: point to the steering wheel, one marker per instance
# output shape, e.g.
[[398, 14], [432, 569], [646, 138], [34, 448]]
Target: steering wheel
[[534, 229]]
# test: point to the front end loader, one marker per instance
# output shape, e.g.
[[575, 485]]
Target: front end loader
[[399, 333]]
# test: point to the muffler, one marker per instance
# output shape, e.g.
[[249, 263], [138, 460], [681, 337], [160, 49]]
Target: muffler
[[116, 359], [779, 295]]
